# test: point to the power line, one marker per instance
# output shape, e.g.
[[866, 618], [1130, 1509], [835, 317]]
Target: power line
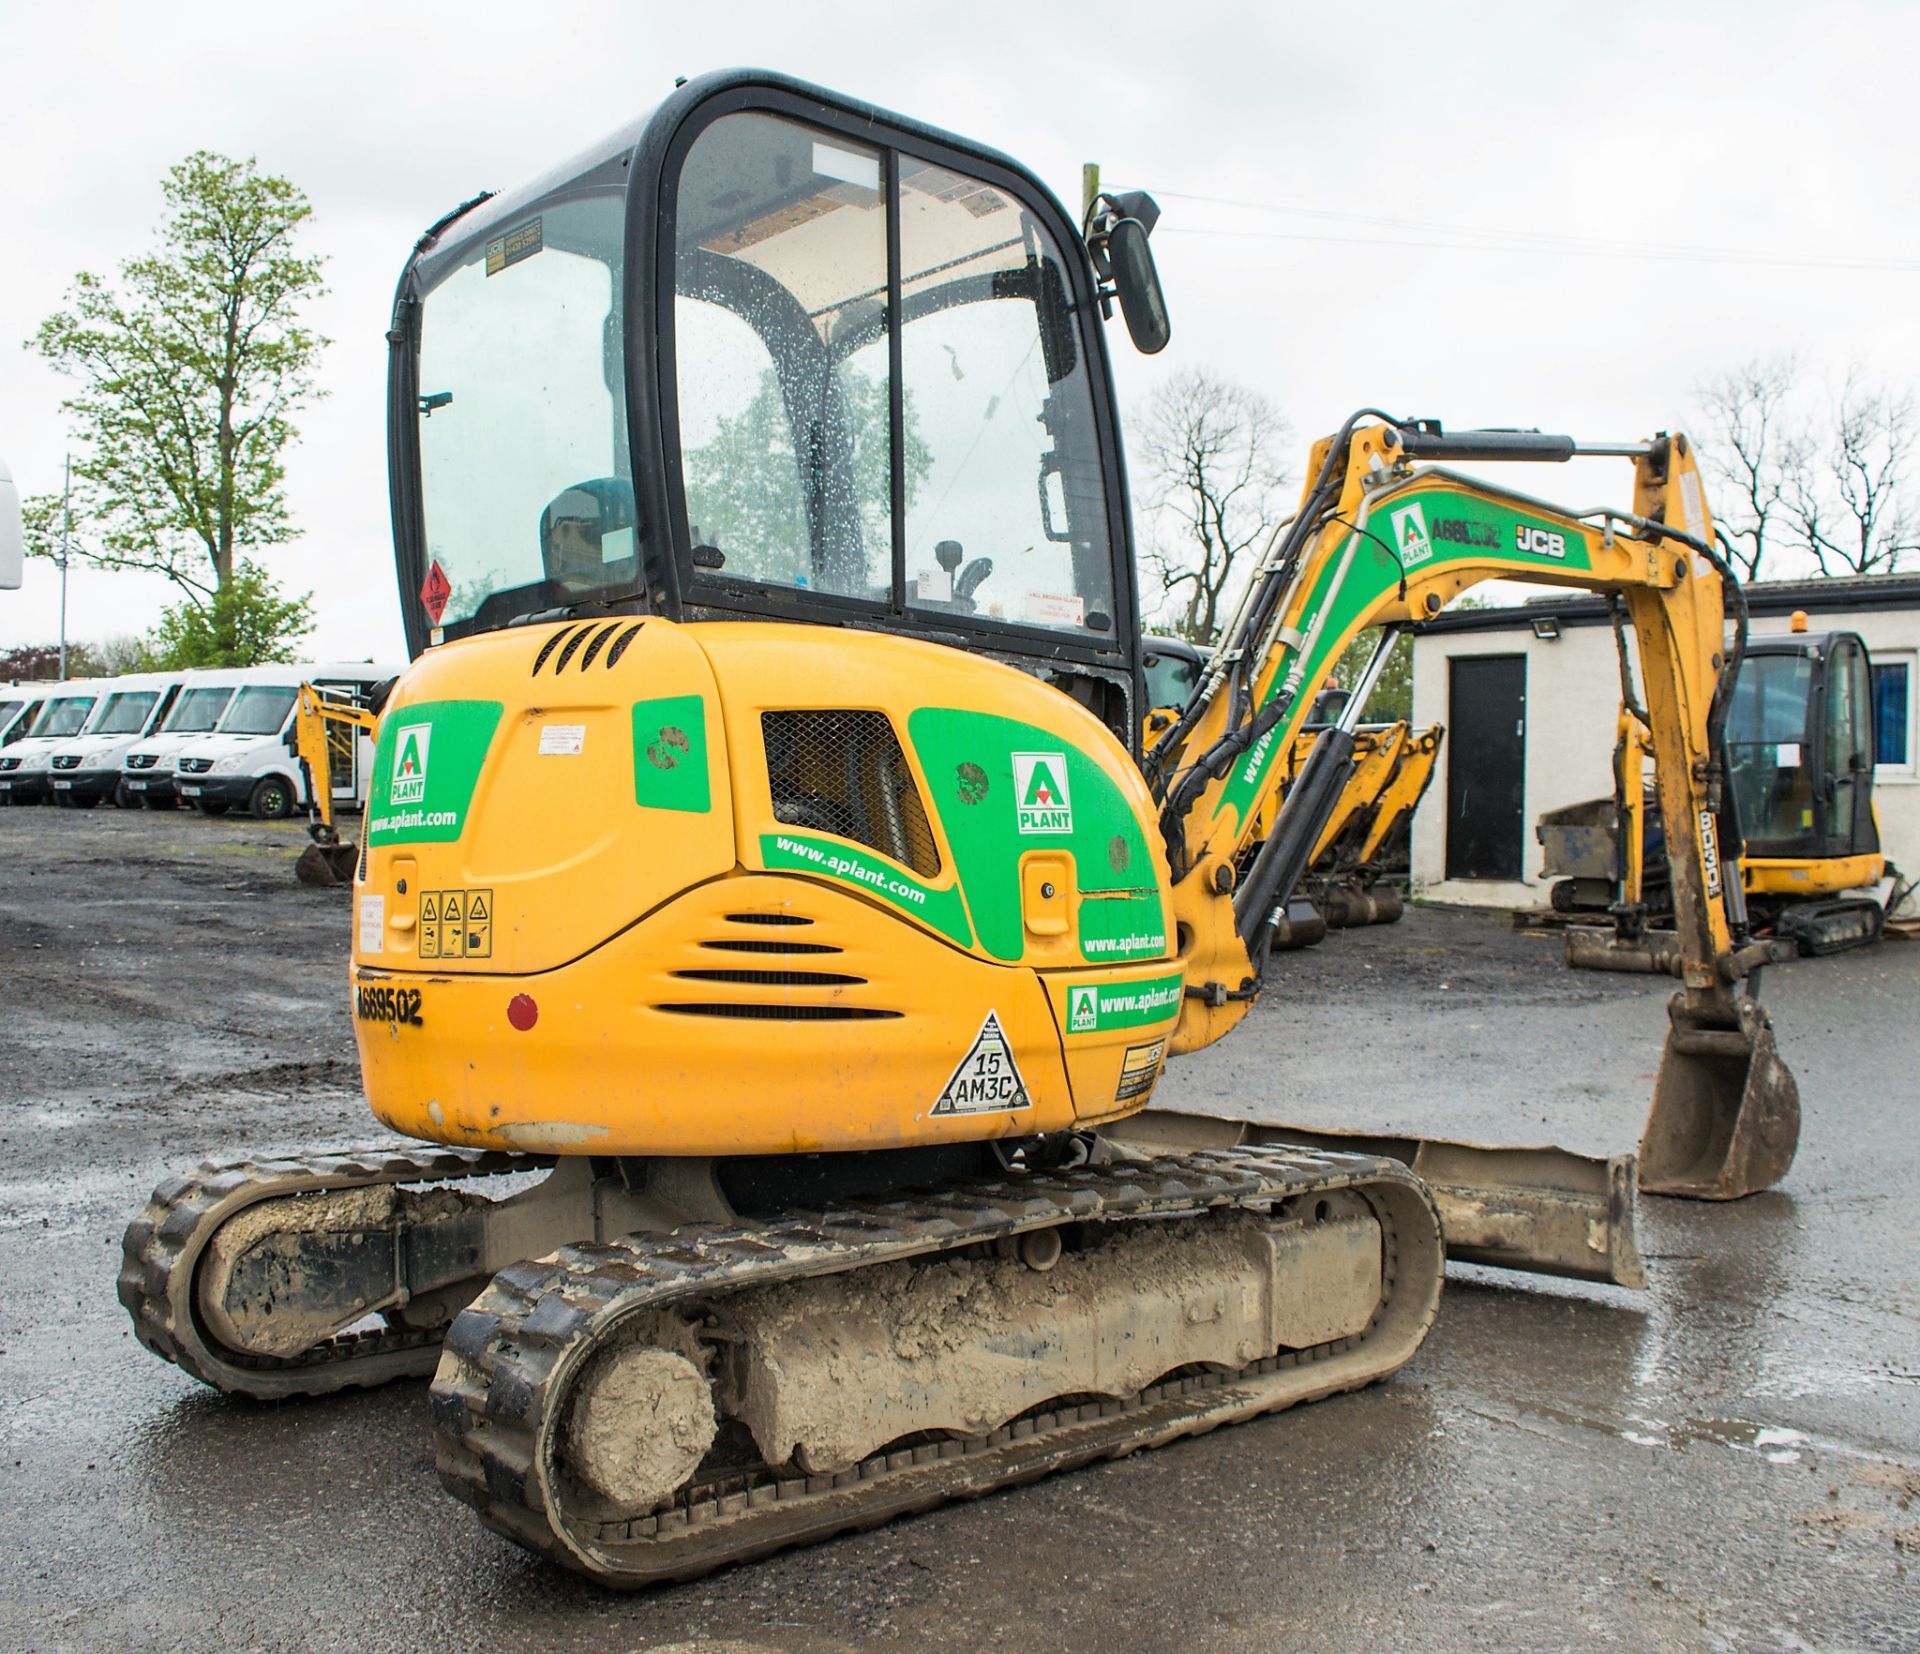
[[1470, 238]]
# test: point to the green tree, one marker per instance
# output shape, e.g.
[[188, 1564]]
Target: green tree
[[1392, 697], [191, 370], [249, 621]]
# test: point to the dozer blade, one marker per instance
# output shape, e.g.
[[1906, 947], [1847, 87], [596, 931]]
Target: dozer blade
[[1546, 1211], [326, 864], [1726, 1112]]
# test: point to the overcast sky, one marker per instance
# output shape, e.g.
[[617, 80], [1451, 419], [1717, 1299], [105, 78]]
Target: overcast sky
[[1471, 211]]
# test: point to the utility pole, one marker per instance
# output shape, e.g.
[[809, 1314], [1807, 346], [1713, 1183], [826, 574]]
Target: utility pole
[[66, 534]]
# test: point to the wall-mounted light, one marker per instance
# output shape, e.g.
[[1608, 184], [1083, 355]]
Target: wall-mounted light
[[1546, 629]]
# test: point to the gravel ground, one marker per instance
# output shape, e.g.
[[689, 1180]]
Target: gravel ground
[[1728, 1460]]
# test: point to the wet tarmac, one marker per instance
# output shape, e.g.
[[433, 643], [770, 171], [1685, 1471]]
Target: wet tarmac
[[1728, 1460]]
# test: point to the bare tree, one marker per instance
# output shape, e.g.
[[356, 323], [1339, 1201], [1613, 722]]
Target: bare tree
[[1749, 445], [1213, 484], [1846, 503]]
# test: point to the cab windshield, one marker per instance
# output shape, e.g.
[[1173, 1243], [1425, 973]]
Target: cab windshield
[[1767, 748], [197, 711], [527, 496], [65, 716], [260, 710], [971, 487], [126, 713]]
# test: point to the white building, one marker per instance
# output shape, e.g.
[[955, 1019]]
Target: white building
[[1532, 693]]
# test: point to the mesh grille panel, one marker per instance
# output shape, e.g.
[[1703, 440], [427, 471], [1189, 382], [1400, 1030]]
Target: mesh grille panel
[[844, 773]]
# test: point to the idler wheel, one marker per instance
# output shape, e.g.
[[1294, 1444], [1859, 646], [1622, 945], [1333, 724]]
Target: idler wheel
[[642, 1422]]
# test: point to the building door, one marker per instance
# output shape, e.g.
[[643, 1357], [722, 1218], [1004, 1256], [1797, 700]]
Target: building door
[[1486, 766]]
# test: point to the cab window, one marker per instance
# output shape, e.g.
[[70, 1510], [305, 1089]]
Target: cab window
[[783, 351]]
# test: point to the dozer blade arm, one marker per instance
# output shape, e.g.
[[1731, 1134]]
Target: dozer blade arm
[[1381, 540]]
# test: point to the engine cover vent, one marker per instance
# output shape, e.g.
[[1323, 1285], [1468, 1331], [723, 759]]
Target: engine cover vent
[[782, 1013]]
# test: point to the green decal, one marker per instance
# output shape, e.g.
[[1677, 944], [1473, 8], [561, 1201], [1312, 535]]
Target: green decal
[[670, 754], [1098, 1006], [425, 768], [1418, 532], [833, 859], [1003, 788], [1122, 925]]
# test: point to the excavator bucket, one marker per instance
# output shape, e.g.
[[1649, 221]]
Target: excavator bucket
[[326, 864], [1726, 1112]]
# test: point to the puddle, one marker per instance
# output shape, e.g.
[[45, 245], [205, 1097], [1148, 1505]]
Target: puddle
[[1777, 1444]]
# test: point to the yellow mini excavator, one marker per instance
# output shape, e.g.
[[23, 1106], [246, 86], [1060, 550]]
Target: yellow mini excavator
[[1799, 744], [760, 852]]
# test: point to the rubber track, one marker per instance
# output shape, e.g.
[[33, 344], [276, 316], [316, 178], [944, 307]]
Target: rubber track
[[498, 1404], [162, 1246]]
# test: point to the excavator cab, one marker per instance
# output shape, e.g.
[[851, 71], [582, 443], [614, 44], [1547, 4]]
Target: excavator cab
[[1800, 749], [768, 354]]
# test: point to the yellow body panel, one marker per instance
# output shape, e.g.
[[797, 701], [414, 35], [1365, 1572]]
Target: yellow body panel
[[652, 920], [1791, 876]]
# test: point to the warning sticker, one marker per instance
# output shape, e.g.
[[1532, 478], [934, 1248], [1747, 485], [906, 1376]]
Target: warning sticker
[[565, 740], [456, 924], [434, 591], [987, 1080], [373, 922], [505, 251], [1140, 1070]]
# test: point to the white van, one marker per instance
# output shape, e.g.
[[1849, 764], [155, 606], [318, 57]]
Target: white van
[[146, 774], [246, 761], [86, 769], [18, 704], [66, 711]]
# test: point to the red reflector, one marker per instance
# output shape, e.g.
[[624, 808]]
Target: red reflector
[[522, 1012]]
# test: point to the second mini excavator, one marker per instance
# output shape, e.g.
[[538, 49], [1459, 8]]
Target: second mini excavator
[[761, 852], [1799, 744]]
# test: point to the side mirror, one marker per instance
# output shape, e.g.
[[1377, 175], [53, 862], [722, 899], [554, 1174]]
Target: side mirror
[[1137, 283]]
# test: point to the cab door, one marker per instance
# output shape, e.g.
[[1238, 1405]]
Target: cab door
[[1847, 781]]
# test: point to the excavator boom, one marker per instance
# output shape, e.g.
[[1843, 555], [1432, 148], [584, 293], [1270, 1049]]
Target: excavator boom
[[1384, 540]]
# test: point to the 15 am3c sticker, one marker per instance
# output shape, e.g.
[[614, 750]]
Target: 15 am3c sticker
[[987, 1080]]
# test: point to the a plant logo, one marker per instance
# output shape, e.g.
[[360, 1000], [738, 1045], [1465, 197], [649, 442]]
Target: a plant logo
[[1083, 1010], [410, 764], [1040, 789], [1410, 535]]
